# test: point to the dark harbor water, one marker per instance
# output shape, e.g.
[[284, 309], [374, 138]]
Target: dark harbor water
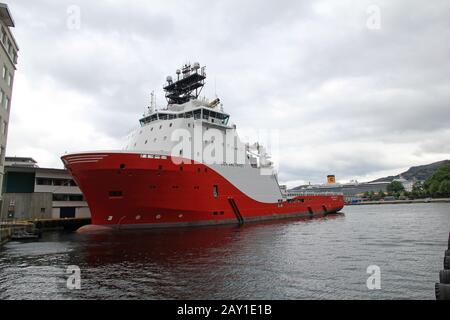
[[297, 259]]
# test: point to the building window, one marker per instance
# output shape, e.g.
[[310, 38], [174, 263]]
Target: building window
[[1, 96], [6, 103], [5, 71], [4, 127], [4, 37], [76, 197], [10, 48], [9, 81], [43, 182], [67, 197], [42, 210]]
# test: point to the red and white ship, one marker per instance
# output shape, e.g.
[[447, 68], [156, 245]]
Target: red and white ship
[[185, 166]]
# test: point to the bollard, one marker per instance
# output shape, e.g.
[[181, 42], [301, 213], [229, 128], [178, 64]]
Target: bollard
[[447, 263], [442, 291], [444, 276]]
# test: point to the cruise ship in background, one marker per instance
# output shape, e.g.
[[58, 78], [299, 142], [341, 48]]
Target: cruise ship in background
[[185, 165]]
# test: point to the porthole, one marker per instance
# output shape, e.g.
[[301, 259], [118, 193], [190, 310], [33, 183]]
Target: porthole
[[109, 218], [160, 127], [151, 129], [180, 216], [158, 216], [170, 125], [138, 217], [146, 141]]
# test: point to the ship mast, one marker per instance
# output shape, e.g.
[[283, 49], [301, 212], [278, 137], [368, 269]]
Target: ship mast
[[188, 87]]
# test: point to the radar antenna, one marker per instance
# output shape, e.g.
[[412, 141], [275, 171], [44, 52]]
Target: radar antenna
[[152, 103]]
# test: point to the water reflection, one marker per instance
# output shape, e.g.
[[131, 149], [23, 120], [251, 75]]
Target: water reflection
[[324, 258]]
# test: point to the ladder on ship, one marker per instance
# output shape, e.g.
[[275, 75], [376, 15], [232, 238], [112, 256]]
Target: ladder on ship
[[236, 211]]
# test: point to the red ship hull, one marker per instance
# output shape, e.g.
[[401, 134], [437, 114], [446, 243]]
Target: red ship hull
[[126, 189]]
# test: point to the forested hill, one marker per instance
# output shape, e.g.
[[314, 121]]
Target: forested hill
[[420, 173]]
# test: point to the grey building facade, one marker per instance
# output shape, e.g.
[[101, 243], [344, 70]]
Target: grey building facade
[[8, 62], [30, 192]]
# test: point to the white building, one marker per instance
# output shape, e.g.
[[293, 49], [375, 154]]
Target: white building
[[31, 192]]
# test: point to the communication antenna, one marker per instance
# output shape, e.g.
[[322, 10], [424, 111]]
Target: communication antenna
[[152, 103]]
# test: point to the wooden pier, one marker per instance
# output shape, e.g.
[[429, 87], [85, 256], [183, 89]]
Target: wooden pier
[[5, 235], [65, 224], [32, 229]]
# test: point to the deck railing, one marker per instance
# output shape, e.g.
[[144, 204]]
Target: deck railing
[[298, 194]]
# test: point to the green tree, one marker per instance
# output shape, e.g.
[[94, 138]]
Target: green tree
[[381, 194], [418, 190], [433, 189], [438, 184], [444, 188], [395, 187]]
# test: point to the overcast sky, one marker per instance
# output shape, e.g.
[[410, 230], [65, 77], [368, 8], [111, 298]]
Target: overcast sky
[[360, 89]]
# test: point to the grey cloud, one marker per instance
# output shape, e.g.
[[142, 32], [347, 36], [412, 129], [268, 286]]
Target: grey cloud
[[312, 70]]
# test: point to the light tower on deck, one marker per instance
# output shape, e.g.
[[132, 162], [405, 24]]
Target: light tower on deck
[[188, 87]]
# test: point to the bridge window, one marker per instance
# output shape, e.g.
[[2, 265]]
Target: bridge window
[[216, 191]]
